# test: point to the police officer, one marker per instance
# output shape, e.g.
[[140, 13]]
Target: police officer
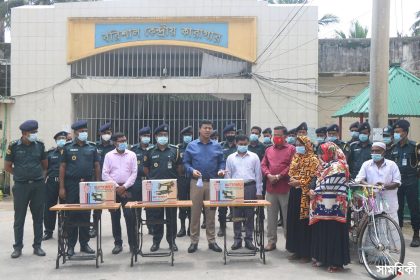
[[360, 151], [26, 160], [267, 135], [302, 129], [291, 136], [52, 183], [321, 137], [184, 182], [79, 163], [354, 132], [406, 154], [255, 145], [388, 138], [333, 134], [229, 147], [214, 135], [140, 150], [163, 162]]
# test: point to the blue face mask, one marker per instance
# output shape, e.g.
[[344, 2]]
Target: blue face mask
[[267, 140], [122, 146], [354, 134], [242, 149], [320, 140], [187, 139], [83, 136], [300, 150], [397, 137], [162, 140], [60, 142], [387, 140], [376, 157], [363, 137], [291, 140], [145, 140], [33, 137], [253, 137], [332, 138]]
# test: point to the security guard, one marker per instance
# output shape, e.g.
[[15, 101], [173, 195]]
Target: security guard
[[360, 151], [79, 163], [354, 132], [163, 162], [255, 145], [140, 150], [214, 135], [291, 136], [52, 183], [229, 147], [406, 154], [26, 160], [321, 137], [302, 129], [388, 138], [333, 133], [267, 134], [184, 182]]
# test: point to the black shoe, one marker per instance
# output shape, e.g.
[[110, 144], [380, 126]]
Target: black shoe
[[249, 245], [215, 247], [181, 232], [39, 252], [193, 247], [236, 245], [16, 253], [221, 232], [174, 247], [203, 225], [415, 242], [47, 236], [70, 251], [86, 249], [154, 247], [117, 249], [92, 233]]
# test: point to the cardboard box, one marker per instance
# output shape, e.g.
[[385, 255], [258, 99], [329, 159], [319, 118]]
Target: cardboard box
[[160, 190], [96, 192], [229, 190]]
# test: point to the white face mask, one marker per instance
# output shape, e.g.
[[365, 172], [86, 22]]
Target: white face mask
[[106, 137]]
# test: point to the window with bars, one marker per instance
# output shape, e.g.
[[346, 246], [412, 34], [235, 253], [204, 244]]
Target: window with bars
[[161, 61]]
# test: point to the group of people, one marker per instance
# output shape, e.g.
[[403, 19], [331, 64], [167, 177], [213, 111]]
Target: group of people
[[305, 181]]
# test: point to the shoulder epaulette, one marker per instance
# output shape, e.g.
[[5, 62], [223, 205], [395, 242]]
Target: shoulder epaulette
[[135, 146], [173, 146], [91, 143], [354, 143], [150, 147]]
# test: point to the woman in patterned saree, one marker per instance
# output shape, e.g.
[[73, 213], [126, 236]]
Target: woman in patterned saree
[[330, 236], [303, 170]]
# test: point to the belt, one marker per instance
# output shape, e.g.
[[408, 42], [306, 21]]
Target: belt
[[29, 181], [55, 179], [78, 179], [249, 183]]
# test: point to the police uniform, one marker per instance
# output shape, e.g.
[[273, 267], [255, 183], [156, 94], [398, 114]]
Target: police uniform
[[387, 132], [163, 165], [321, 130], [52, 186], [343, 145], [214, 134], [359, 153], [29, 187], [302, 126], [354, 139], [102, 146], [184, 186], [259, 149], [80, 163], [407, 156]]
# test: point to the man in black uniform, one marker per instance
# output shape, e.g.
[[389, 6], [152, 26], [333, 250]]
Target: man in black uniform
[[52, 183], [302, 129], [79, 163], [406, 154], [388, 137], [333, 134], [267, 134], [354, 132], [163, 162], [184, 182], [291, 136], [26, 160], [229, 147], [360, 151], [255, 145], [140, 150], [321, 137], [214, 135]]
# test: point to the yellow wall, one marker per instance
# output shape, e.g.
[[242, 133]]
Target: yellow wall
[[242, 41]]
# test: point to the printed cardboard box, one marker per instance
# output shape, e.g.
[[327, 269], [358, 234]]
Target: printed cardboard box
[[96, 192], [160, 190], [228, 190]]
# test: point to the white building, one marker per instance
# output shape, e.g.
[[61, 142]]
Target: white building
[[145, 62]]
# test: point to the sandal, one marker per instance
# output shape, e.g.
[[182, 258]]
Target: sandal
[[333, 269], [317, 264]]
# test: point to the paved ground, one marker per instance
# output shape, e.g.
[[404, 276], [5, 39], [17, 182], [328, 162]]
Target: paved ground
[[204, 264]]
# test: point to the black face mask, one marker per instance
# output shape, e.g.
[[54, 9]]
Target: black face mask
[[230, 138]]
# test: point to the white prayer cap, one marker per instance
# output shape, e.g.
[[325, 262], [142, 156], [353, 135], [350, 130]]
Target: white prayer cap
[[379, 144]]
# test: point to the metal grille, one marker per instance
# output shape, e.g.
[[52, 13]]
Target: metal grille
[[160, 61], [130, 112]]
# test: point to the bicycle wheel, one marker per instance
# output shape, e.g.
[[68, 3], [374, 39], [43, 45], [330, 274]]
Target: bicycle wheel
[[381, 245]]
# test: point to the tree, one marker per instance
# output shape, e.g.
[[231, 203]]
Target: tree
[[416, 25], [328, 19], [356, 31]]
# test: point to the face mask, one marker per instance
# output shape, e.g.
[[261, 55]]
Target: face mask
[[354, 134], [60, 142], [300, 150], [291, 140], [267, 140], [278, 140], [397, 137], [253, 137], [145, 140], [387, 140], [242, 149], [187, 139], [332, 138], [106, 137], [230, 138], [162, 140], [376, 157], [33, 137], [363, 137], [83, 136], [320, 140], [122, 146]]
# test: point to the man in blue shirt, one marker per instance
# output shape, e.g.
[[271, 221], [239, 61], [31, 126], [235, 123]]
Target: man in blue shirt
[[203, 160]]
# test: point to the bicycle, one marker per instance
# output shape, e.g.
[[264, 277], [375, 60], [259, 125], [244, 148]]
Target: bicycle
[[380, 242]]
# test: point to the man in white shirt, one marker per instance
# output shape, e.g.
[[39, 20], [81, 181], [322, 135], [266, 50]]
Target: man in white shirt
[[381, 171], [245, 165]]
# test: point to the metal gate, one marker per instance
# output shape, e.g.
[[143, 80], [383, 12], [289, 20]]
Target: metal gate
[[130, 112]]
